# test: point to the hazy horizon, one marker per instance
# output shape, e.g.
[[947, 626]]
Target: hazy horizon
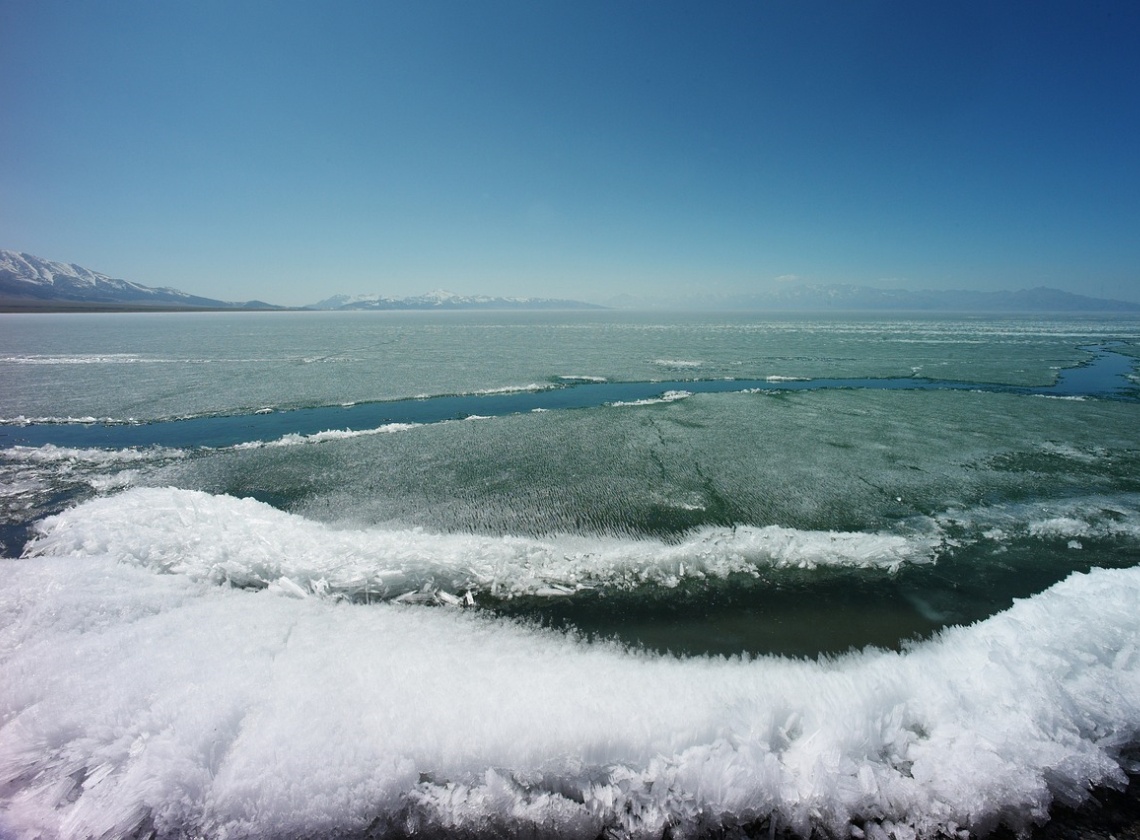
[[287, 153], [789, 294]]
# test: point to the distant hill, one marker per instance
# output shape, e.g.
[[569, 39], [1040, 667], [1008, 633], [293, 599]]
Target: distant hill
[[29, 282], [445, 300], [848, 298]]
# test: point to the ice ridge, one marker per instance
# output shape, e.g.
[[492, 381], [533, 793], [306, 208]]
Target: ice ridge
[[248, 543], [135, 703]]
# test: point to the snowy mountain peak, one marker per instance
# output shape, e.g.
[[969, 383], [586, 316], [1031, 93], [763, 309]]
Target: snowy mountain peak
[[33, 281], [36, 270], [440, 295]]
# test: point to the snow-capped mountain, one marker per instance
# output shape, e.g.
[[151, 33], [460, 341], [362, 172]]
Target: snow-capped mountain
[[441, 299], [35, 281]]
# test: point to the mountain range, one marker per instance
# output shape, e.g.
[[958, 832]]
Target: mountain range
[[28, 282], [441, 299]]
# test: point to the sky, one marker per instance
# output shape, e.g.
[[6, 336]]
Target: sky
[[288, 151]]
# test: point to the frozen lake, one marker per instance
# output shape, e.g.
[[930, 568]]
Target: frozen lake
[[312, 573]]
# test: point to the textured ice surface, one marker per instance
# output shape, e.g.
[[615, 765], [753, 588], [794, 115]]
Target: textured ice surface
[[847, 461], [249, 543], [1101, 517], [130, 698]]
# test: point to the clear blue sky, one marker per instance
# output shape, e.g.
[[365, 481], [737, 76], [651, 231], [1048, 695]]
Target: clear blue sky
[[288, 151]]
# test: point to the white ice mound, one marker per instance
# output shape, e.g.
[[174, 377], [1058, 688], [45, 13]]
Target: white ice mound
[[52, 454], [667, 397], [133, 702], [249, 543], [296, 439]]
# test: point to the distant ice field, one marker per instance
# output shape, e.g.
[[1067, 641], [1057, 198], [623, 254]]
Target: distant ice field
[[168, 365], [741, 597]]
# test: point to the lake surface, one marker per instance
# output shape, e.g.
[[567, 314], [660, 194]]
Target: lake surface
[[565, 572]]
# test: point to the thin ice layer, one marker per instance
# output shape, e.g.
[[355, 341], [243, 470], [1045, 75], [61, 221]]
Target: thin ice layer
[[249, 543], [131, 699]]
